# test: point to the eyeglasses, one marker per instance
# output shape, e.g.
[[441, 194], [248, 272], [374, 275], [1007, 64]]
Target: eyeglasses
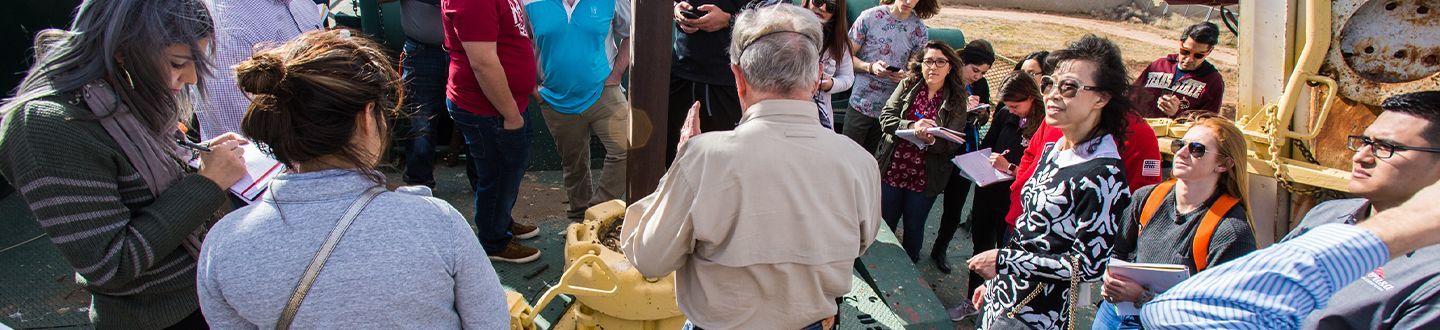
[[826, 5], [1197, 55], [935, 63], [1197, 149], [1068, 87], [1381, 149]]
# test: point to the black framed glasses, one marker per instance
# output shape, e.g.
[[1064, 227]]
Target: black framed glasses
[[1068, 87], [1197, 149], [935, 63], [1381, 149]]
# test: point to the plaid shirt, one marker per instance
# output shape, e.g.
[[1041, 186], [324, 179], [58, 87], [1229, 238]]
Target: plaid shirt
[[243, 26]]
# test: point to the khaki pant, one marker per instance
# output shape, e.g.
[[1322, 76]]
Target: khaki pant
[[609, 119]]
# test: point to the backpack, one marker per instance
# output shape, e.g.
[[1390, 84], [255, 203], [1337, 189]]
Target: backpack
[[1200, 246]]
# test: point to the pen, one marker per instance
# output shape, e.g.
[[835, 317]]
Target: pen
[[191, 145]]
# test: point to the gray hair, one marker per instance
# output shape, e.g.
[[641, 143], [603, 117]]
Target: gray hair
[[136, 30], [777, 48]]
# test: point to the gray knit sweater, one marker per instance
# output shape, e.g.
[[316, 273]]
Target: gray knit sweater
[[1168, 237], [409, 261], [123, 241]]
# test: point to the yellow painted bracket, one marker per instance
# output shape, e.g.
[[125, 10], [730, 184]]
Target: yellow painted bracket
[[526, 316], [1331, 90]]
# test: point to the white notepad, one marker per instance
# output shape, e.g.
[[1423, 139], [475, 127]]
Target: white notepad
[[976, 167]]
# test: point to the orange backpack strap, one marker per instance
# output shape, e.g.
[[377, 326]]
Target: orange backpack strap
[[1201, 246], [1152, 203]]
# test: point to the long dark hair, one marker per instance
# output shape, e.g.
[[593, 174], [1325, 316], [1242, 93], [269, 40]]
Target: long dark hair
[[954, 85], [1020, 87], [837, 36], [309, 91], [1111, 78], [137, 32]]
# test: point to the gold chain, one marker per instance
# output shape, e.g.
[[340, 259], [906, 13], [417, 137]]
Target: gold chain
[[1272, 133], [1074, 293]]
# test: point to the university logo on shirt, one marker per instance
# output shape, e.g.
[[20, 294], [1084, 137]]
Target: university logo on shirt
[[1376, 279], [517, 15], [1188, 87]]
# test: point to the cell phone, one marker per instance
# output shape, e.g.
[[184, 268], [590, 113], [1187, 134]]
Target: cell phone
[[892, 68], [691, 14]]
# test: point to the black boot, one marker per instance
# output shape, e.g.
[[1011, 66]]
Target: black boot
[[938, 256]]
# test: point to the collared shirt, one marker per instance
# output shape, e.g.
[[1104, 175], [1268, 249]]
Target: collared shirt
[[241, 27], [1274, 288], [761, 224], [576, 41]]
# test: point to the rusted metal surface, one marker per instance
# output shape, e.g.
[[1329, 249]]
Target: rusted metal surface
[[1347, 117], [1384, 47]]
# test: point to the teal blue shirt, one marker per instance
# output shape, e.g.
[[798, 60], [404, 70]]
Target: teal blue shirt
[[576, 48]]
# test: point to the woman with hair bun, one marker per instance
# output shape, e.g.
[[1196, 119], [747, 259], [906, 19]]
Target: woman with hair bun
[[401, 259]]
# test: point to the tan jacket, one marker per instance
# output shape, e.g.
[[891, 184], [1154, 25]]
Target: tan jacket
[[762, 224]]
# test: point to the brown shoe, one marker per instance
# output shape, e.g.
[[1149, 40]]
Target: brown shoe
[[523, 231], [517, 253]]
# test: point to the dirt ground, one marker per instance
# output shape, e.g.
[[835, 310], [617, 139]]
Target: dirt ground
[[1016, 33]]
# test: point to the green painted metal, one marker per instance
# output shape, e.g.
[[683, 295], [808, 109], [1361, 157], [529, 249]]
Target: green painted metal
[[900, 285]]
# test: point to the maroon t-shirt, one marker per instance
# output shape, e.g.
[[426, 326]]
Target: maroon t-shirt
[[1202, 89], [499, 21]]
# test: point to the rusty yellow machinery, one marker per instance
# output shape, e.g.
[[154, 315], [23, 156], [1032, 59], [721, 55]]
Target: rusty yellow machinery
[[609, 293], [1312, 72]]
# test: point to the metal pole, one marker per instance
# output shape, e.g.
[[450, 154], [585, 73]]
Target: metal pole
[[649, 96]]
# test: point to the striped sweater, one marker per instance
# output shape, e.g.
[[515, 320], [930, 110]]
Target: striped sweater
[[124, 242]]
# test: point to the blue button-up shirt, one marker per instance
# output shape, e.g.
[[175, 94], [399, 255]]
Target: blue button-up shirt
[[1274, 288]]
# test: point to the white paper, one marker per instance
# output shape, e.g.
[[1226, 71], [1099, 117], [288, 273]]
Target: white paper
[[259, 169], [940, 132], [1156, 277], [976, 167]]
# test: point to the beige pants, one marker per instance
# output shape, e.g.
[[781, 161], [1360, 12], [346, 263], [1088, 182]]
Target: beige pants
[[609, 119]]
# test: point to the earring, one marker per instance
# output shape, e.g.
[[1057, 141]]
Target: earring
[[128, 78]]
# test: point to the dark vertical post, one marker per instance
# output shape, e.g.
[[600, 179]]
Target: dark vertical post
[[649, 95]]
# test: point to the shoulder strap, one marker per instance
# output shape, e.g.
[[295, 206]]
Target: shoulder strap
[[1200, 248], [292, 306], [1152, 203]]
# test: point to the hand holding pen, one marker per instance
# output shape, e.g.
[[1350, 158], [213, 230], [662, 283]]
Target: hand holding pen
[[221, 159]]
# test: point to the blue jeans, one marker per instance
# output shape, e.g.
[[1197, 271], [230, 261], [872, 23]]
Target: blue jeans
[[498, 157], [1107, 319], [425, 70], [896, 203]]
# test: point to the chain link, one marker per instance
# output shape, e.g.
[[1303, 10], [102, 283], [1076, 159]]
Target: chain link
[[1282, 176]]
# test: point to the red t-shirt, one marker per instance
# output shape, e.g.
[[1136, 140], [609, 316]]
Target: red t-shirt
[[1141, 155], [499, 21]]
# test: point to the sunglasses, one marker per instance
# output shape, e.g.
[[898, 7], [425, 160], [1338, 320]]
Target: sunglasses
[[1381, 149], [827, 5], [1197, 149], [1197, 55], [1068, 87]]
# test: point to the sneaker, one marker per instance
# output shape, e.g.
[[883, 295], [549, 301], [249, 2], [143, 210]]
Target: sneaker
[[523, 231], [962, 311], [517, 253]]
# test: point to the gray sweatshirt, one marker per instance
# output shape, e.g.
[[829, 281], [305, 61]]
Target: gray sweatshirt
[[1402, 294], [409, 261]]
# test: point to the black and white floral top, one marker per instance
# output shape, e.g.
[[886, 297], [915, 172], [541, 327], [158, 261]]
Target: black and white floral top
[[1071, 209]]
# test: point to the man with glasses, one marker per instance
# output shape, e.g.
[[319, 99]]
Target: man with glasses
[[1394, 159], [1182, 82]]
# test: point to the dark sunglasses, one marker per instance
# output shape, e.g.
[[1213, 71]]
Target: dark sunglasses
[[1197, 149], [827, 5], [1381, 149], [1068, 87], [1197, 55]]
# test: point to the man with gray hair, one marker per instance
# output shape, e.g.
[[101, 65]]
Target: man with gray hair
[[762, 223]]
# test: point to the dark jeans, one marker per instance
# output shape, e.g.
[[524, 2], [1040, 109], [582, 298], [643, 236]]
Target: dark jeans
[[865, 130], [896, 203], [498, 157], [195, 321], [988, 229], [424, 69], [956, 191], [719, 110]]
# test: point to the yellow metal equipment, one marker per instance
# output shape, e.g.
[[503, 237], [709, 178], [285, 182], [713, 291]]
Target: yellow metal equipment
[[609, 293]]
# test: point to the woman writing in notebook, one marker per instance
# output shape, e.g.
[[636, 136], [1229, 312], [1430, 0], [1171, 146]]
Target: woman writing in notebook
[[933, 95], [1196, 220], [89, 140]]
